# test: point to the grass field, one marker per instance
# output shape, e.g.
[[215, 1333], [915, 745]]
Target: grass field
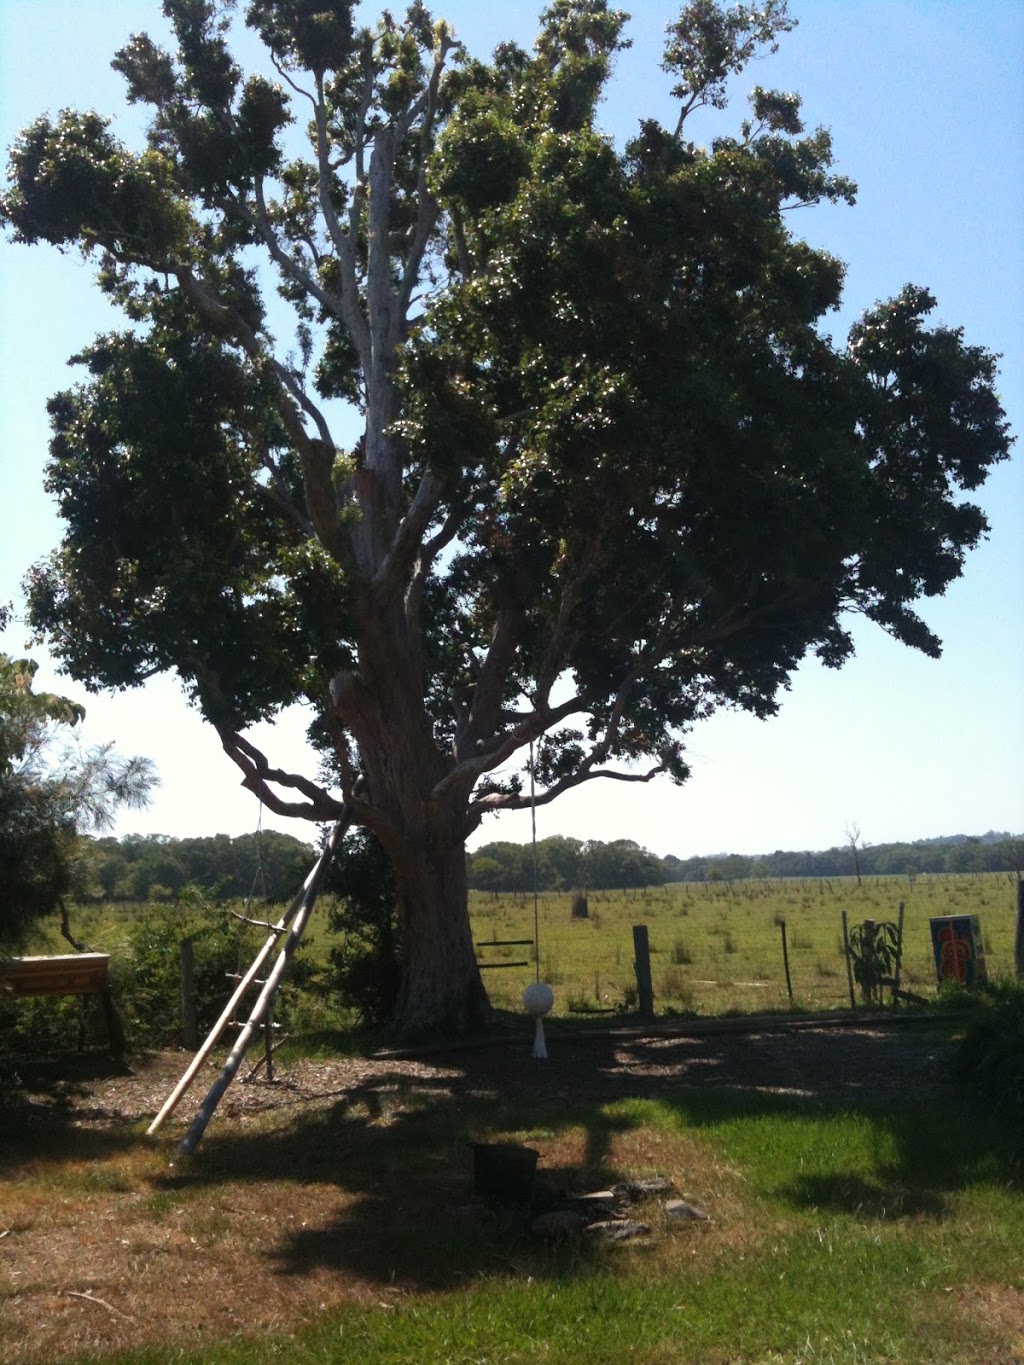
[[859, 1217], [717, 947]]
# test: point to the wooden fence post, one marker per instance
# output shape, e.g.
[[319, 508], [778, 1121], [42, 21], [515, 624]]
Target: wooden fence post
[[642, 962], [849, 964], [898, 967], [785, 963], [189, 1022]]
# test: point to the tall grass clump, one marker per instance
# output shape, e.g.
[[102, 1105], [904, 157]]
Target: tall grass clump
[[681, 954]]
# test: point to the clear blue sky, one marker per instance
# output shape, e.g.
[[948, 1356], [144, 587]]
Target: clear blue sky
[[925, 100]]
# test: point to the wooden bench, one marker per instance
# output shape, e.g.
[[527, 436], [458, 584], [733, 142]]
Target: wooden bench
[[69, 974], [66, 974]]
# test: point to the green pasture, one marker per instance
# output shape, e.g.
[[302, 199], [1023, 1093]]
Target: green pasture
[[717, 946], [840, 1232]]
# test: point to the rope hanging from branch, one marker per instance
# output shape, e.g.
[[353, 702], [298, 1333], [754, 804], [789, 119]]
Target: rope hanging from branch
[[538, 997]]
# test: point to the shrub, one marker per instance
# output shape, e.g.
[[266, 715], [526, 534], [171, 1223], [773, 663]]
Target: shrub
[[43, 1024], [991, 1055], [146, 966]]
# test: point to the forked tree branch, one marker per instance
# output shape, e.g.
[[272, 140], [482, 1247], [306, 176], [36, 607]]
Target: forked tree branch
[[257, 773], [493, 755], [508, 801], [396, 567]]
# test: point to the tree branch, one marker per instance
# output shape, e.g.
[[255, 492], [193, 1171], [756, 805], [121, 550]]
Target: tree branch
[[408, 538], [466, 773], [65, 929], [508, 801], [257, 772], [461, 245], [428, 209], [290, 267], [277, 493], [429, 550], [316, 456], [487, 694], [344, 242], [282, 72]]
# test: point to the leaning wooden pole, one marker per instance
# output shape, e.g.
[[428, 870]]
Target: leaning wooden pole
[[228, 1013], [229, 1070]]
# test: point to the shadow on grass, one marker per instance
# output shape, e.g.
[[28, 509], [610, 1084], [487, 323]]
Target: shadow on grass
[[391, 1156], [924, 1151], [40, 1122], [864, 1198], [395, 1155], [31, 1141]]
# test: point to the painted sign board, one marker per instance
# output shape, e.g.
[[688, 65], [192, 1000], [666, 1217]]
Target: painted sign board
[[959, 949]]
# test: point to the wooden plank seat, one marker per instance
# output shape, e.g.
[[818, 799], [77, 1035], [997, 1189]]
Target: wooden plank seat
[[67, 974]]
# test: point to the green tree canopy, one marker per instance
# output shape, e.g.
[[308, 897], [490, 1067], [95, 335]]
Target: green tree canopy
[[610, 473], [48, 794], [265, 865]]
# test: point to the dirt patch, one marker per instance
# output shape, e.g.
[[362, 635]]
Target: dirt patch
[[317, 1190]]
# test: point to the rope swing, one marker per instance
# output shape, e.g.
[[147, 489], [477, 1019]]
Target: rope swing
[[268, 1025], [538, 997]]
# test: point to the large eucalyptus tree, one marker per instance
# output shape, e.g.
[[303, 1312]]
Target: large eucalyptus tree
[[609, 474]]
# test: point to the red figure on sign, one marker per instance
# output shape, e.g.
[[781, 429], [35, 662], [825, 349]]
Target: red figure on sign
[[956, 954]]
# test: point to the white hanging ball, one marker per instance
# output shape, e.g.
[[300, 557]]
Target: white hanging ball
[[538, 999]]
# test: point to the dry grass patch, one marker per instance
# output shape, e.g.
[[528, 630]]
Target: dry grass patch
[[347, 1184], [1000, 1311], [187, 1271]]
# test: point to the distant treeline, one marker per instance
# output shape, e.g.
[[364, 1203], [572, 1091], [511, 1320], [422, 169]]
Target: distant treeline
[[156, 867], [564, 864]]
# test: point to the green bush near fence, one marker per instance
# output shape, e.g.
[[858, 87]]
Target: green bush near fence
[[991, 1055]]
